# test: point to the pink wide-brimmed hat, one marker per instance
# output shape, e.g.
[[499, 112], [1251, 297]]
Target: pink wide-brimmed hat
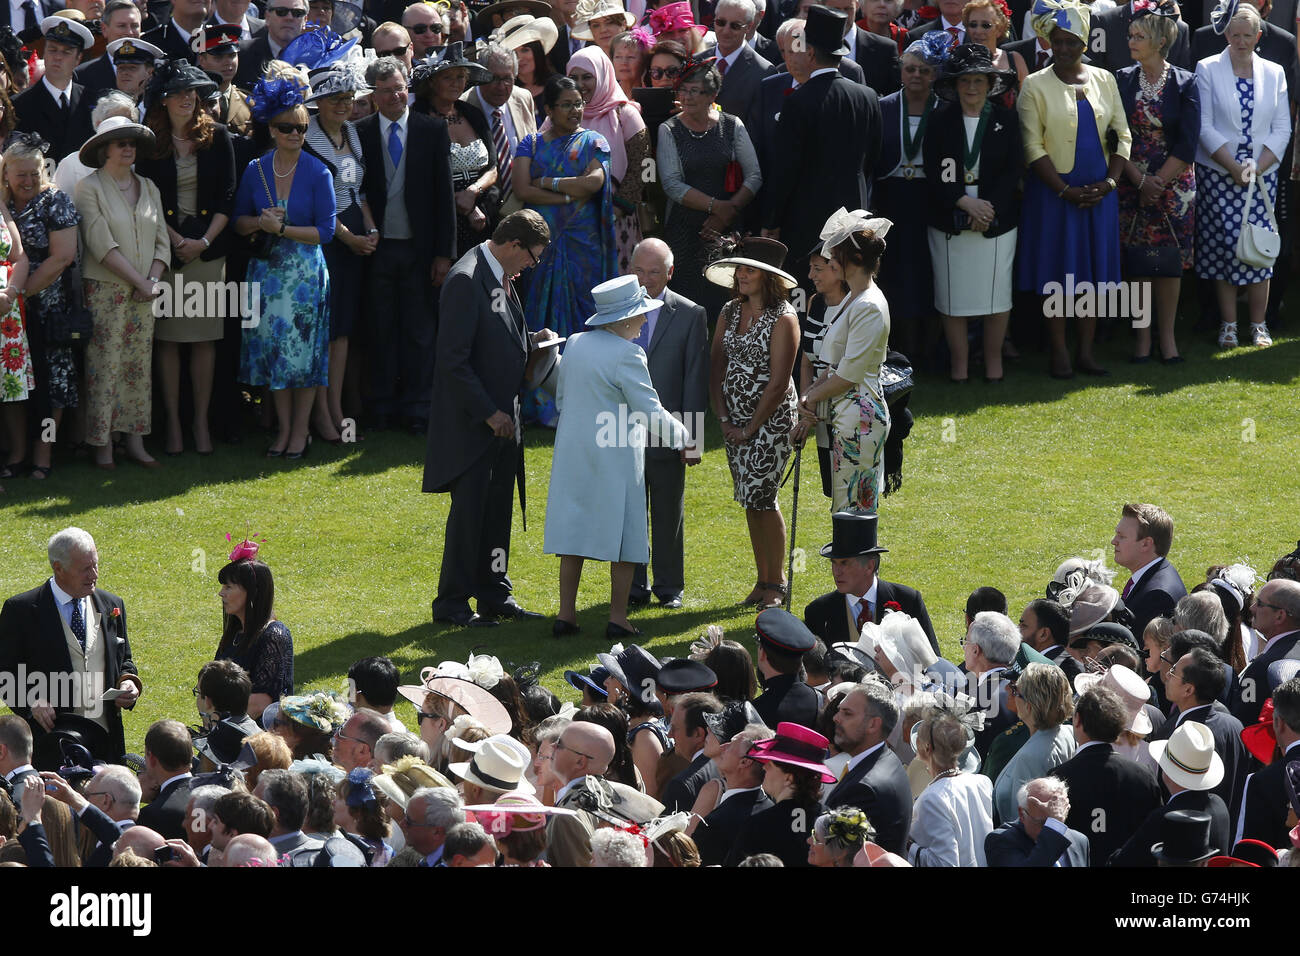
[[466, 694], [674, 16], [796, 745]]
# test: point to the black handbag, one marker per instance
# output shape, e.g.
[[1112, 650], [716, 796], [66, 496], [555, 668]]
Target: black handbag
[[73, 325], [1160, 262], [261, 243]]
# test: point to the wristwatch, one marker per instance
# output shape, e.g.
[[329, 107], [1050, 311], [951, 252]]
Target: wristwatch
[[206, 244], [283, 224]]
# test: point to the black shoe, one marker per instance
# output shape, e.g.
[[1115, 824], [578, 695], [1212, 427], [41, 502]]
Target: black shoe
[[672, 602], [298, 455], [1094, 370], [1139, 359], [509, 611], [618, 631], [1175, 360], [564, 628], [466, 619], [639, 599]]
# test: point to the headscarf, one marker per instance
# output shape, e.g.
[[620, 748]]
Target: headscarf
[[1070, 16], [605, 112]]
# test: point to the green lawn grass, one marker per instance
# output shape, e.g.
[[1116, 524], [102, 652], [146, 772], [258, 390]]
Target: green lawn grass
[[1001, 483]]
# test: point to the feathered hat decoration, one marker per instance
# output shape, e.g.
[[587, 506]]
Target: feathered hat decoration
[[317, 48], [270, 98], [247, 549], [932, 47]]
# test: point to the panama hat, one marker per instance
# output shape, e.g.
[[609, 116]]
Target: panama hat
[[1188, 757]]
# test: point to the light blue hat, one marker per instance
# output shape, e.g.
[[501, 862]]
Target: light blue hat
[[619, 299]]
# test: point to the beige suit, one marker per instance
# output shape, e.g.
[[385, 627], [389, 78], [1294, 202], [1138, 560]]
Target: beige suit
[[520, 108]]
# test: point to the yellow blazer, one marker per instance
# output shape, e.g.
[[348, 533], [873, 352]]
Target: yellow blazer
[[1049, 116], [108, 222]]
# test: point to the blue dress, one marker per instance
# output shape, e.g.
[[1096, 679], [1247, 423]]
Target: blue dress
[[1219, 202], [288, 346], [1057, 238]]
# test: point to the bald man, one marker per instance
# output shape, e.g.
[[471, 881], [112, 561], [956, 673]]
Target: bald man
[[141, 840], [584, 749], [424, 24], [249, 849], [391, 39]]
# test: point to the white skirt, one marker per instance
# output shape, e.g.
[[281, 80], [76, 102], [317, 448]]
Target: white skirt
[[972, 274]]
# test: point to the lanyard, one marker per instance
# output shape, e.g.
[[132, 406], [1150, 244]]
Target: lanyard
[[971, 152], [912, 144]]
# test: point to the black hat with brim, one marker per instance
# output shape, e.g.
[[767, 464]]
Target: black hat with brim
[[782, 631], [824, 30], [682, 676], [971, 59], [1186, 836], [852, 536]]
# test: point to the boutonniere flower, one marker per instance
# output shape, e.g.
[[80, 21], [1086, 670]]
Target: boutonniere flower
[[893, 606], [116, 612]]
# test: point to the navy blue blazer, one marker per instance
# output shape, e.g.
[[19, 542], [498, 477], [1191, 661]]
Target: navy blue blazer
[[1009, 845], [1002, 157], [891, 136], [1180, 108], [1156, 593]]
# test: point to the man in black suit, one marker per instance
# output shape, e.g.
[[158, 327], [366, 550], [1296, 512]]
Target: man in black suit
[[782, 642], [484, 356], [1045, 626], [1193, 684], [949, 19], [31, 14], [860, 595], [165, 780], [563, 12], [408, 183], [743, 797], [1109, 44], [173, 37], [236, 13], [877, 55], [689, 733], [741, 66], [1110, 795], [837, 126], [74, 635], [56, 107], [1191, 770], [1039, 837], [15, 750], [1034, 50], [1264, 804], [1142, 539], [874, 779], [991, 645], [676, 342], [281, 29], [109, 807], [121, 19], [1277, 618]]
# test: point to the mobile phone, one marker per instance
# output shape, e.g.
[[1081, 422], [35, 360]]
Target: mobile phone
[[164, 854]]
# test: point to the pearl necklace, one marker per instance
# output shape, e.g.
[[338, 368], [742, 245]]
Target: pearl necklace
[[280, 175], [1149, 90]]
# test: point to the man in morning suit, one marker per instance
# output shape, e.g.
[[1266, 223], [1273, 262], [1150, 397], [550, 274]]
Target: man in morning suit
[[165, 780], [782, 642], [408, 183], [1142, 539], [261, 48], [1110, 795], [57, 108], [860, 595], [744, 795], [1193, 684], [877, 55], [1039, 837], [991, 645], [506, 107], [121, 19], [173, 37], [484, 357], [109, 807], [1277, 618], [675, 338], [1109, 43], [1191, 770], [741, 67], [837, 124], [1265, 805], [74, 634], [874, 780], [689, 733], [28, 15]]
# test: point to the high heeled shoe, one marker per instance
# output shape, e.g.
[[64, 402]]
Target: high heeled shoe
[[564, 628]]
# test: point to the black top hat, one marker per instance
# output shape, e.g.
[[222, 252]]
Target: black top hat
[[48, 754], [1185, 838], [970, 59], [824, 30], [782, 631], [734, 717], [681, 676], [852, 535], [225, 739]]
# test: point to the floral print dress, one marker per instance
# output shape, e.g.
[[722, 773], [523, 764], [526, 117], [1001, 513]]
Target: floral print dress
[[51, 210], [16, 377]]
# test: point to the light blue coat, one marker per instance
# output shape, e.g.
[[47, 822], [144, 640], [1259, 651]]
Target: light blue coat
[[1042, 753], [596, 506]]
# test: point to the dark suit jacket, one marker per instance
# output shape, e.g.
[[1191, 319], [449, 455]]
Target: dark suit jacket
[[38, 112], [1002, 157], [44, 8], [560, 53], [1252, 688], [1061, 657], [479, 369], [764, 109], [31, 633], [1110, 797], [765, 47], [680, 794], [787, 698], [740, 85], [1277, 45], [1264, 806], [1137, 850], [107, 830], [1156, 593], [165, 813], [1227, 744], [216, 189], [678, 357], [716, 835], [1109, 46], [1028, 50], [430, 202], [878, 57], [991, 693], [35, 844], [167, 39], [97, 76], [254, 54], [878, 787], [782, 830], [1180, 108], [255, 25], [837, 124], [828, 616], [1009, 845]]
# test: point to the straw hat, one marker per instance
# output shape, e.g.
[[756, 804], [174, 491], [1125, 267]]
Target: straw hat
[[589, 10], [1188, 757]]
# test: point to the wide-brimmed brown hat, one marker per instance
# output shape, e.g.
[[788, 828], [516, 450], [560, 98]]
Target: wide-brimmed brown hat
[[110, 131], [756, 252]]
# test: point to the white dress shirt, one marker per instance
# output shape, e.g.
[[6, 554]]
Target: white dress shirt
[[64, 601], [1137, 575], [855, 602]]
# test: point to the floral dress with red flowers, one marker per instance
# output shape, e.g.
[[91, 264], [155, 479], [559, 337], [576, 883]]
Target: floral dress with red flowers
[[16, 376]]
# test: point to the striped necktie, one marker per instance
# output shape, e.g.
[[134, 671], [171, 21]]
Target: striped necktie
[[502, 145]]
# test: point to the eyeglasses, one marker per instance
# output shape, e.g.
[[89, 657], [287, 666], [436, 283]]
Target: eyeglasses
[[287, 128], [665, 72], [420, 29], [1259, 603], [1164, 656], [421, 717], [559, 745], [340, 735], [692, 91], [980, 25], [569, 106], [531, 255], [100, 793], [287, 12], [398, 51], [1173, 672], [730, 25], [1011, 691]]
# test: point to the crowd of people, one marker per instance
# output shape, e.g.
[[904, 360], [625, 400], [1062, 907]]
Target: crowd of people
[[1136, 728]]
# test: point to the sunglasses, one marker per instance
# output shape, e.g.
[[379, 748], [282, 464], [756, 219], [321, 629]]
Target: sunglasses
[[395, 51], [420, 29], [980, 25], [287, 128], [730, 25], [665, 72], [288, 12]]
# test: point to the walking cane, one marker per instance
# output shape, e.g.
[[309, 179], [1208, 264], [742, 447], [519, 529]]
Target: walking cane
[[794, 526]]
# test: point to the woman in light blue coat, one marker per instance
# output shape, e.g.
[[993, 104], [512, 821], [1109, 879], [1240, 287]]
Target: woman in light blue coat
[[596, 507], [1046, 705]]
